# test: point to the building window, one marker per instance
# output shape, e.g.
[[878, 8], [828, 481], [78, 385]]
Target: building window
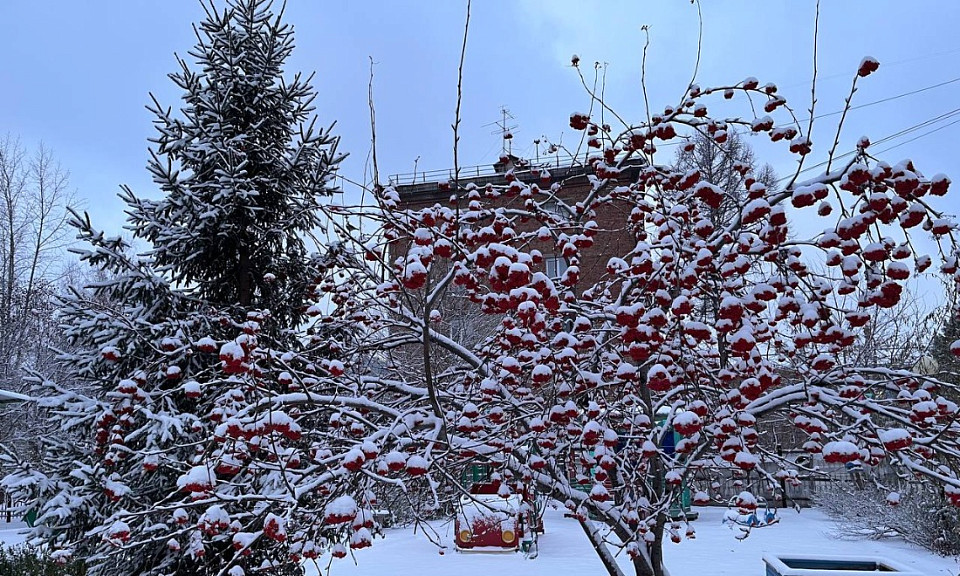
[[556, 266]]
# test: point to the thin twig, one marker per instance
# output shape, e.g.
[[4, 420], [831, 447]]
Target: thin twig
[[603, 91], [456, 119], [643, 77], [696, 65], [600, 99], [373, 128], [593, 100], [813, 96], [846, 108]]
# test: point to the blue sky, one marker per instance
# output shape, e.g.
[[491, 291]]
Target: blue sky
[[76, 75]]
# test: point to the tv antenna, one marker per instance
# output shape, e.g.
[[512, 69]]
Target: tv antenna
[[505, 130]]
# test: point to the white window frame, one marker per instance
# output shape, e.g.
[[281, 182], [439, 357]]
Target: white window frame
[[555, 266]]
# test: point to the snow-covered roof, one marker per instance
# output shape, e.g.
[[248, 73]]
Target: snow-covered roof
[[489, 507], [8, 397]]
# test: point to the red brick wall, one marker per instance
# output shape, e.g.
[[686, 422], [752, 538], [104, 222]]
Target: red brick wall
[[613, 238]]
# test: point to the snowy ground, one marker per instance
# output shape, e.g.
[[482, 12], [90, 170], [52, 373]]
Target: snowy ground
[[564, 550], [12, 534]]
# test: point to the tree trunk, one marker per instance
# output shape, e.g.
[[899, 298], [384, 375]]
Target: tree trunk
[[8, 329], [609, 562], [244, 289], [642, 564], [656, 549], [11, 263], [41, 219]]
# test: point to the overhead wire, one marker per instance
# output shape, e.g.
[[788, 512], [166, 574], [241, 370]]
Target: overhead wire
[[886, 64], [919, 137], [890, 98], [857, 107], [919, 126]]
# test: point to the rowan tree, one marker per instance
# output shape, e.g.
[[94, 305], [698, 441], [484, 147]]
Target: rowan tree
[[583, 379]]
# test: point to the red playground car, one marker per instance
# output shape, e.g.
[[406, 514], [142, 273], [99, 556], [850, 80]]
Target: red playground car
[[488, 522]]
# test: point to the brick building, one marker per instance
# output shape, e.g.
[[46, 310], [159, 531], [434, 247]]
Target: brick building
[[569, 184]]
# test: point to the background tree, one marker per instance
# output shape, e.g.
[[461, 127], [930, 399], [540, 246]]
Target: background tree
[[942, 348], [725, 165], [34, 194], [897, 337]]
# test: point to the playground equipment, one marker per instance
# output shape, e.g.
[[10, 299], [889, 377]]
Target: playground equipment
[[489, 522], [762, 516], [496, 516]]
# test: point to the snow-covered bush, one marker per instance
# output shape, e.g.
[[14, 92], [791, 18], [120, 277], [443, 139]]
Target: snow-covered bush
[[916, 513], [24, 560]]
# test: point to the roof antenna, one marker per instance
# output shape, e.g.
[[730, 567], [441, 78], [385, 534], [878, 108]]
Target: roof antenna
[[505, 130]]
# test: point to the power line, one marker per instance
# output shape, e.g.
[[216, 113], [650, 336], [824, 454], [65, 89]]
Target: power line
[[890, 137], [918, 126], [857, 107], [904, 132], [888, 99], [918, 137], [924, 57], [885, 64]]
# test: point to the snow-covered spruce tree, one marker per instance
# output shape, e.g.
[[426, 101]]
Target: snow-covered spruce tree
[[586, 374], [157, 477], [118, 413], [242, 166]]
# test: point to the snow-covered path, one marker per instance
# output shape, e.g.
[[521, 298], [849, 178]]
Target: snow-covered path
[[564, 550], [12, 534]]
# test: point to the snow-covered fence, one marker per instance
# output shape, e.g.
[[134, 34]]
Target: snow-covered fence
[[725, 483], [10, 510]]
